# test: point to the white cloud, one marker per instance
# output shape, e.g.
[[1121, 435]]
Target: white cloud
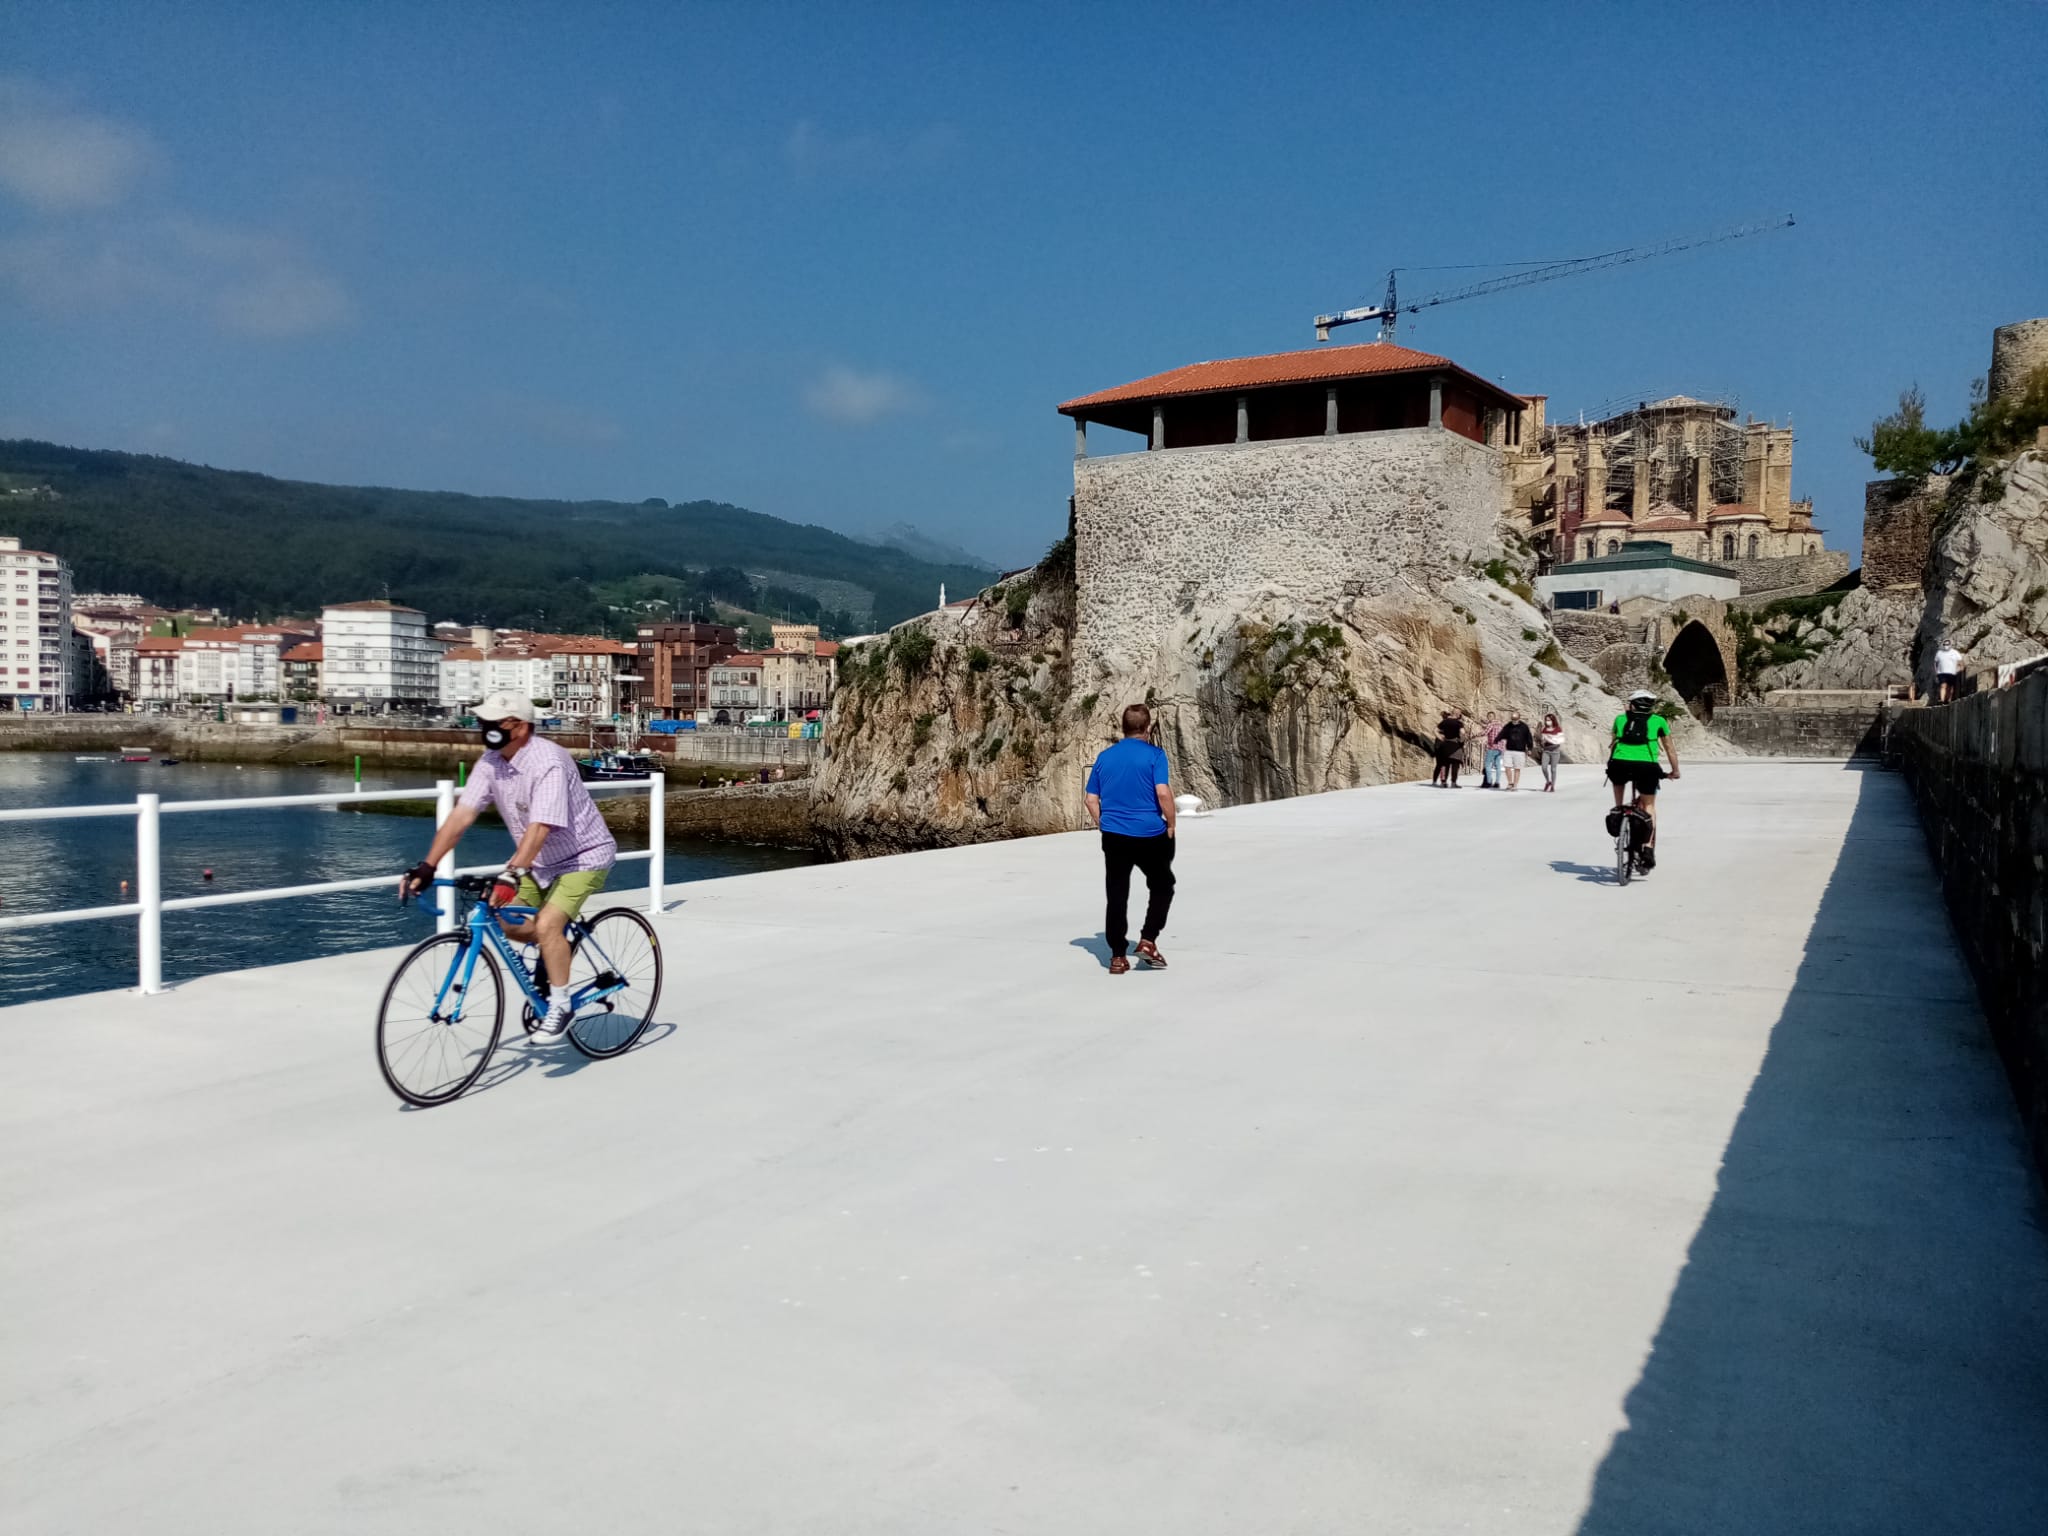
[[57, 158], [856, 399], [813, 151], [282, 301]]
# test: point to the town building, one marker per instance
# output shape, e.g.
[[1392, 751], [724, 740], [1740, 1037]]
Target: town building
[[301, 668], [498, 661], [1334, 472], [674, 663], [113, 632], [1679, 471], [589, 676], [36, 661], [156, 670], [735, 690], [206, 665], [797, 673], [377, 657], [1641, 568], [259, 660]]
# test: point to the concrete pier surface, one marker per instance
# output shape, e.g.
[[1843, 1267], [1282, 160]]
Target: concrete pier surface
[[1439, 1186]]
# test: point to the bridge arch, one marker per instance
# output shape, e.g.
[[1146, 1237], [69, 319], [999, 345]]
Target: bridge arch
[[1700, 668]]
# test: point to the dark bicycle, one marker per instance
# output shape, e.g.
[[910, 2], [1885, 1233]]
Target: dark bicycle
[[445, 1006], [1630, 827]]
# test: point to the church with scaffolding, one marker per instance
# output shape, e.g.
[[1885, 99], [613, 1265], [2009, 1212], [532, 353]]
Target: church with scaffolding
[[1680, 472]]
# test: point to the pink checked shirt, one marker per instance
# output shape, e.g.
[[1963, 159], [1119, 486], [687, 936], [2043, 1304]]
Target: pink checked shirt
[[541, 784]]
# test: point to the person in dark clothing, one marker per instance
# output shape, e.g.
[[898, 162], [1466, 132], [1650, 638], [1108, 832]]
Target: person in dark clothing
[[1515, 741], [1450, 748], [1128, 799]]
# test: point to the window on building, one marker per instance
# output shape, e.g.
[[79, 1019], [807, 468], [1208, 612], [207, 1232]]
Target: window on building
[[1754, 543], [1727, 546], [1614, 546]]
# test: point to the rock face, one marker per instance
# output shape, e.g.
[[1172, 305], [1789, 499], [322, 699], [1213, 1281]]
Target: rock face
[[983, 729], [1865, 641], [1987, 584]]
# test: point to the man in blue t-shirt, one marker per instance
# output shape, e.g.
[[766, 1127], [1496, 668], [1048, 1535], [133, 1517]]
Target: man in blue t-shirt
[[1129, 800]]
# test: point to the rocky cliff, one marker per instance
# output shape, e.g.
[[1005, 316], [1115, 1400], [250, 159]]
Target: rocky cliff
[[962, 729]]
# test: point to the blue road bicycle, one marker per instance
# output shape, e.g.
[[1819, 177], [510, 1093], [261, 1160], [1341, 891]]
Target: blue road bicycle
[[445, 1006]]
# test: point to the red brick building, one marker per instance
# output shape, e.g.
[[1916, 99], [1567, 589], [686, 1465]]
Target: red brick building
[[674, 664]]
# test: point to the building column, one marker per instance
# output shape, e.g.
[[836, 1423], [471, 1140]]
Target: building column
[[1244, 421], [1080, 438], [1158, 426], [1330, 412], [1436, 401], [1702, 484]]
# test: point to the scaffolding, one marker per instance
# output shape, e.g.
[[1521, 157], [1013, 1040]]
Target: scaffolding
[[1663, 437]]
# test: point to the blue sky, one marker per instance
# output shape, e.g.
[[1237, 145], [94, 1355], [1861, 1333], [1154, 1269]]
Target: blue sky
[[839, 263]]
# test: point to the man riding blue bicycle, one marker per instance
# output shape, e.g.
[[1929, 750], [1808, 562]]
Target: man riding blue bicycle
[[563, 850]]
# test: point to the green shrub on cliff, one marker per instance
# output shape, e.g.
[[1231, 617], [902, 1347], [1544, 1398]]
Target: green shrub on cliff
[[914, 651]]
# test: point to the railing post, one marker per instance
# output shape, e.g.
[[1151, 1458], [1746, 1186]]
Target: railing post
[[149, 894], [444, 807], [657, 836]]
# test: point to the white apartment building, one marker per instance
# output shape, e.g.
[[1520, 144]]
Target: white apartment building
[[35, 629], [113, 633], [156, 669], [259, 660], [206, 664], [586, 676], [735, 689], [377, 657], [467, 673]]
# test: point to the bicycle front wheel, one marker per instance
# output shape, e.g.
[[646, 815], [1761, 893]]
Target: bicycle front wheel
[[1624, 854], [437, 1027], [618, 958]]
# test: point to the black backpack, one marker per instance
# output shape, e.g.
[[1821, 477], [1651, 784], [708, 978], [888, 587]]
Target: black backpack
[[1635, 729]]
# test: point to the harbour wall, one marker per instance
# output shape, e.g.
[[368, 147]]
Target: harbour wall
[[1979, 771]]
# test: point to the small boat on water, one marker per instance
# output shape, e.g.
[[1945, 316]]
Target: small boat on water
[[135, 754], [612, 766], [168, 762], [89, 758]]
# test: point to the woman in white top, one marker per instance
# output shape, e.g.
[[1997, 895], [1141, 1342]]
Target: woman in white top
[[1550, 740]]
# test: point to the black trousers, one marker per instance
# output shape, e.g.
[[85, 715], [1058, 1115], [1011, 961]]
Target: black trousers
[[1121, 854]]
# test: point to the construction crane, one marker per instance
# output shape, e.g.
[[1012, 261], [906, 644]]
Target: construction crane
[[1389, 312]]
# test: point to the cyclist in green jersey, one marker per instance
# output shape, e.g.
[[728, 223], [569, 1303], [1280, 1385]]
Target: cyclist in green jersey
[[1632, 758]]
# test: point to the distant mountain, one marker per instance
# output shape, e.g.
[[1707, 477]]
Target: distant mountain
[[185, 535], [919, 545]]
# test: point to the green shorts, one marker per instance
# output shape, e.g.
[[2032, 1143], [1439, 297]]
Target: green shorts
[[569, 891]]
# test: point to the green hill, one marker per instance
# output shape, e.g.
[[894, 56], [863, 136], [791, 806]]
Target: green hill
[[184, 535]]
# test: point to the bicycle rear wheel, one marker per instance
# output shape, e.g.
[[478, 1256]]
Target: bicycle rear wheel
[[435, 1035], [1624, 850], [616, 950]]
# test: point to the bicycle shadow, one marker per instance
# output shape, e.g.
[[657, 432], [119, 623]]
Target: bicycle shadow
[[518, 1055], [1591, 874]]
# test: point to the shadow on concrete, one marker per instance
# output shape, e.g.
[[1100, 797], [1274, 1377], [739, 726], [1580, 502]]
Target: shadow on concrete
[[517, 1055], [1592, 874], [1859, 1339], [1096, 944]]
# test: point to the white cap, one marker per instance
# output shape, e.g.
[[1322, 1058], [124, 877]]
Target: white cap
[[1640, 693], [505, 706]]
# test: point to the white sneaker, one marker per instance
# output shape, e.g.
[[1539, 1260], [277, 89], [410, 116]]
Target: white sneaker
[[555, 1023]]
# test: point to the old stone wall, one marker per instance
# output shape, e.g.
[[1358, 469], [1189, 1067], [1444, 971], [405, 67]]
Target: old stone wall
[[1780, 573], [1313, 521], [1898, 530], [2016, 351], [1778, 731], [1979, 770]]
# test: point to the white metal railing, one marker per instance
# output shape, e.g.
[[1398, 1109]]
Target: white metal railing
[[149, 905]]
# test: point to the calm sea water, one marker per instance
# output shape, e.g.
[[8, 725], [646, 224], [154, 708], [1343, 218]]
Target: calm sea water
[[46, 865]]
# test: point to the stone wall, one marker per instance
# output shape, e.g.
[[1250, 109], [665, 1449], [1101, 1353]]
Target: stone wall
[[1778, 573], [1803, 731], [1311, 520], [2016, 351], [1898, 530], [1979, 770]]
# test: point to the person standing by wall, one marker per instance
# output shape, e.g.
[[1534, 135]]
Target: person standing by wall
[[1129, 800], [1489, 762], [1516, 740], [1450, 746], [1550, 741], [1948, 671]]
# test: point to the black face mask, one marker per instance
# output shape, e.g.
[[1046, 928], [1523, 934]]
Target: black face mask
[[494, 733]]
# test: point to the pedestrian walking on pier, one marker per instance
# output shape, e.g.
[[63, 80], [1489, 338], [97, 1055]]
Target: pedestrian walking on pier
[[1516, 742], [1450, 748], [1129, 800], [1551, 740], [1489, 761]]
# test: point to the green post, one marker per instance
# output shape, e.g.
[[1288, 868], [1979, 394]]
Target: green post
[[461, 773], [359, 767]]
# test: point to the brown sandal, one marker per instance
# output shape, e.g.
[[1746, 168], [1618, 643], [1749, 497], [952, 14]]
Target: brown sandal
[[1118, 965], [1148, 952]]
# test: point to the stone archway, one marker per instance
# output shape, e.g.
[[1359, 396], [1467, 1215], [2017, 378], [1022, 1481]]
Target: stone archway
[[1698, 665]]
